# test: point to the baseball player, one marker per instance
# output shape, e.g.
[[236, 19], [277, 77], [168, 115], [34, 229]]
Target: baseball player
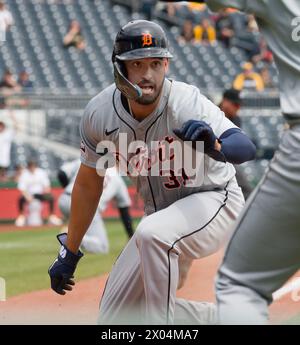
[[115, 188], [95, 240], [264, 251], [182, 222], [33, 184]]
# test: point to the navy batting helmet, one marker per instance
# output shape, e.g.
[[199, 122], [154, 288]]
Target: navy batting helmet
[[137, 40]]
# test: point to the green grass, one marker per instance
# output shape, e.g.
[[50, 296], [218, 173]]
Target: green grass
[[26, 256], [293, 321]]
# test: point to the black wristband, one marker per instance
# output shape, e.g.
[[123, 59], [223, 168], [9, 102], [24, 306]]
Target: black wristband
[[65, 255], [68, 258]]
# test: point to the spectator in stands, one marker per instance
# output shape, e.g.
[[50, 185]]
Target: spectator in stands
[[8, 87], [17, 173], [34, 184], [205, 32], [147, 7], [246, 38], [6, 138], [265, 54], [224, 28], [74, 37], [171, 9], [26, 86], [265, 74], [135, 6], [176, 13], [194, 6], [251, 24], [8, 82], [187, 32], [6, 20], [230, 105], [24, 81], [248, 79], [168, 11]]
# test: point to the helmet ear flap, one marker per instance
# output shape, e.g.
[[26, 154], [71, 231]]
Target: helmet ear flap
[[122, 67], [128, 89]]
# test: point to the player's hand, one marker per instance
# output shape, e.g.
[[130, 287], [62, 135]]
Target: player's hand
[[194, 131], [62, 270]]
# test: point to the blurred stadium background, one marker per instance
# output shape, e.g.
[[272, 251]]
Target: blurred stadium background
[[65, 79]]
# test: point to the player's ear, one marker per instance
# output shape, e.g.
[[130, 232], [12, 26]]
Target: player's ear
[[166, 64]]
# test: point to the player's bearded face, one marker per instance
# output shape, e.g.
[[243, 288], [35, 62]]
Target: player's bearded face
[[149, 75]]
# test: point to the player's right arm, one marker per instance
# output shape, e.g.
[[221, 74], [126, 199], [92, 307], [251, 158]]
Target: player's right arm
[[85, 198]]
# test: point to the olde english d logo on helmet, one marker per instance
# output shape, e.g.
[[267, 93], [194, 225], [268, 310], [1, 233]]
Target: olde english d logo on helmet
[[146, 39]]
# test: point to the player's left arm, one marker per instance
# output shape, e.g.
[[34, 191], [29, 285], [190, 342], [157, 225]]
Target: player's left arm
[[204, 121], [231, 146], [236, 146]]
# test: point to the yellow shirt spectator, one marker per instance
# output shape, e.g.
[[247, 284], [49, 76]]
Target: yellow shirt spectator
[[248, 78], [194, 6], [205, 32]]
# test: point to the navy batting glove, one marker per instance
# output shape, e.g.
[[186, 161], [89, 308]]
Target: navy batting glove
[[194, 131], [62, 270]]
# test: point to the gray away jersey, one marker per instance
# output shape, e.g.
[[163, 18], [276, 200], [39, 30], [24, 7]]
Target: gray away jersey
[[279, 22], [105, 118]]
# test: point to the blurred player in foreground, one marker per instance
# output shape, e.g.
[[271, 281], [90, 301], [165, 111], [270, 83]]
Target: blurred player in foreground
[[264, 251]]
